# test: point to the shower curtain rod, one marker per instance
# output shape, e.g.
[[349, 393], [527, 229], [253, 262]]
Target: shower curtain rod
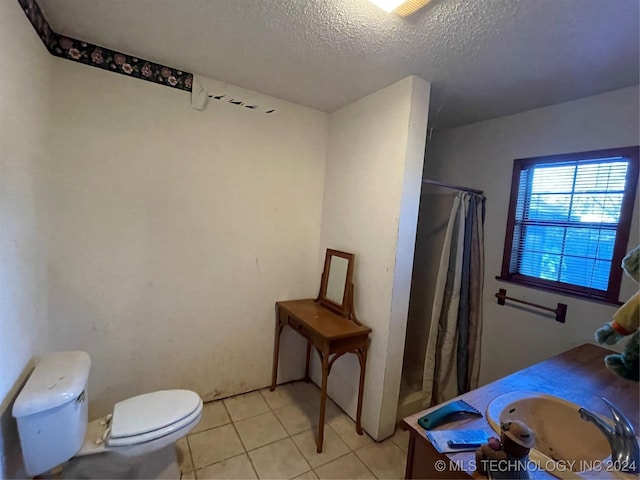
[[455, 187]]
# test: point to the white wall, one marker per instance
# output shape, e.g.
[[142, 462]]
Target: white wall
[[169, 232], [174, 231], [481, 156], [372, 190], [24, 104]]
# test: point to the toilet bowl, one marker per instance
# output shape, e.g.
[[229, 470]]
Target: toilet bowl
[[52, 415]]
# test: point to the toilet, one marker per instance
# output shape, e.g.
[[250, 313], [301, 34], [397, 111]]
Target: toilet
[[136, 440]]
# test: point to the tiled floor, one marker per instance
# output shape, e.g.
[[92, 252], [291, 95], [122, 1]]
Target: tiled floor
[[272, 435]]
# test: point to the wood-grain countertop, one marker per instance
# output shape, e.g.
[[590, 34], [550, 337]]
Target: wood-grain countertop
[[578, 375]]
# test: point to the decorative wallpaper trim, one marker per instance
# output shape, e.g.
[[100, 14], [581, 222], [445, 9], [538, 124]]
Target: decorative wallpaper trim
[[107, 59], [40, 24], [101, 57], [113, 61]]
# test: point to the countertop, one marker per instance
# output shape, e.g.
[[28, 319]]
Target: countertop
[[578, 375]]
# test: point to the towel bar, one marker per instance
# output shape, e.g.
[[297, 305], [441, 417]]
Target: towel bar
[[560, 310]]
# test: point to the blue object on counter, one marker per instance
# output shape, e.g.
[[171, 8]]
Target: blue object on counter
[[447, 441], [443, 414]]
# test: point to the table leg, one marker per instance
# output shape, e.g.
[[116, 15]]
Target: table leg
[[323, 397], [276, 352], [306, 365], [362, 356]]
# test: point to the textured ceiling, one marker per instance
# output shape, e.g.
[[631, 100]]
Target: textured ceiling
[[485, 58]]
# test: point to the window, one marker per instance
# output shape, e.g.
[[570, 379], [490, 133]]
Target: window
[[569, 221]]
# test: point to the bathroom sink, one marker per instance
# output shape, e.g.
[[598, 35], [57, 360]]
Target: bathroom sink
[[566, 445]]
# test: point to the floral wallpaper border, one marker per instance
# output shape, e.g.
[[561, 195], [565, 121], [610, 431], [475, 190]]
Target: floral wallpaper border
[[117, 62], [111, 60], [101, 57], [35, 16]]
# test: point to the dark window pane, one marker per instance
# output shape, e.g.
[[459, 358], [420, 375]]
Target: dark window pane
[[601, 273], [590, 242], [549, 206], [553, 179], [596, 207], [540, 265], [577, 271], [605, 244], [607, 177], [543, 239], [585, 272]]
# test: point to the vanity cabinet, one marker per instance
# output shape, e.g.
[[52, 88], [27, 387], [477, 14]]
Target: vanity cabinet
[[578, 375]]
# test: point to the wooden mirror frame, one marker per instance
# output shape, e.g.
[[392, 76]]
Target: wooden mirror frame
[[343, 308]]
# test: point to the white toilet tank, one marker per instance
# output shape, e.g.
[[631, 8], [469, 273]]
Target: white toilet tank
[[52, 410]]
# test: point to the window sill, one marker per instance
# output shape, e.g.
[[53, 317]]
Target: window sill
[[557, 290]]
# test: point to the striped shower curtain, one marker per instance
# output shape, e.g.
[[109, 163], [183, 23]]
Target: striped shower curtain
[[452, 360]]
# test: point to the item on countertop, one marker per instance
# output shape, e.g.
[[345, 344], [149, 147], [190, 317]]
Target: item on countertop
[[507, 457], [444, 413], [446, 441], [625, 322]]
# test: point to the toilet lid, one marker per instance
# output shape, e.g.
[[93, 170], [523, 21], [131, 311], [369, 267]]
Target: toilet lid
[[152, 411]]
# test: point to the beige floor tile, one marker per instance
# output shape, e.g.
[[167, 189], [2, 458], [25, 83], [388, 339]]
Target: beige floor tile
[[332, 446], [306, 392], [310, 475], [188, 476], [184, 455], [346, 430], [348, 466], [245, 406], [214, 445], [401, 439], [279, 460], [298, 393], [260, 430], [213, 415], [298, 418], [232, 468], [310, 393], [331, 411], [282, 396], [385, 460]]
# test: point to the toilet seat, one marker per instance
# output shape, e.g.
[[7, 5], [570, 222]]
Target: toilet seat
[[151, 416]]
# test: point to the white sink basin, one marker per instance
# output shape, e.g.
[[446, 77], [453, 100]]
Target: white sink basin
[[566, 445]]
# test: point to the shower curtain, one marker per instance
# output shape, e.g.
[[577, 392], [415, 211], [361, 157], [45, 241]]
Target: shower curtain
[[452, 360]]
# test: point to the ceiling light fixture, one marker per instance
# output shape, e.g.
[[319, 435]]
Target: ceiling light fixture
[[404, 8]]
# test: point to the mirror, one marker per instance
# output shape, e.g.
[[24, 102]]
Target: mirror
[[336, 281]]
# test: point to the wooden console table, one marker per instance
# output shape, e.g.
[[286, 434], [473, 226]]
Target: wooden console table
[[332, 336]]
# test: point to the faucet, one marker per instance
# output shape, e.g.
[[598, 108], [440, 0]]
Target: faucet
[[625, 453]]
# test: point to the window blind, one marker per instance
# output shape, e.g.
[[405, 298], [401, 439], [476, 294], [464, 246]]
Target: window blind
[[566, 219]]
